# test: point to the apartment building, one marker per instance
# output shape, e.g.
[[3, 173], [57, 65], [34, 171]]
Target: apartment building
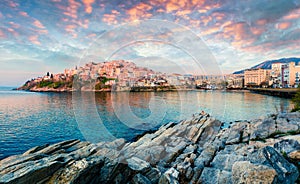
[[285, 74], [255, 77]]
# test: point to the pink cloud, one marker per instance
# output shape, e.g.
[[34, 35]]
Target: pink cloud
[[71, 30], [71, 10], [2, 35], [261, 22], [210, 31], [24, 14], [139, 11], [13, 4], [38, 24], [34, 39], [283, 25], [293, 15], [88, 5], [172, 6], [111, 18], [14, 25], [257, 30], [13, 32], [92, 35], [206, 19], [218, 16], [237, 31]]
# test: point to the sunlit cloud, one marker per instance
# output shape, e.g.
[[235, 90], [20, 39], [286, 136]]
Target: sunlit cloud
[[139, 11], [88, 5], [24, 14], [38, 24], [71, 9], [13, 4], [295, 14], [111, 18], [34, 39], [2, 35], [283, 25]]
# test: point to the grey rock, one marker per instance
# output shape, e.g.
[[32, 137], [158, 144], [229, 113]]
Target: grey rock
[[215, 176], [138, 164], [248, 173], [225, 161], [169, 177], [192, 151], [287, 146], [140, 179], [268, 156], [35, 171]]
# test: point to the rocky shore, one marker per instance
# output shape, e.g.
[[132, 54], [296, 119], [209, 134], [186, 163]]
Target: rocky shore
[[193, 151]]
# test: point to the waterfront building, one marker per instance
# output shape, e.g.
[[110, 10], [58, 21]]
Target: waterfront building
[[285, 74], [256, 77], [235, 81]]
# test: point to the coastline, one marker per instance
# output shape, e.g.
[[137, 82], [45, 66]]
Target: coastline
[[284, 92], [196, 150]]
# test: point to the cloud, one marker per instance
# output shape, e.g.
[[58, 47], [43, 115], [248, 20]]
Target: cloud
[[111, 18], [13, 32], [13, 4], [14, 25], [88, 5], [71, 10], [34, 39], [24, 14], [236, 31], [139, 11], [38, 24], [2, 35], [283, 25], [295, 14]]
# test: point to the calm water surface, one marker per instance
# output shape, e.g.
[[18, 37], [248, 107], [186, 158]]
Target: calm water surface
[[29, 119]]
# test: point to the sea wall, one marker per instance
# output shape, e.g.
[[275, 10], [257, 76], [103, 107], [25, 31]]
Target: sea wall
[[193, 151], [285, 93]]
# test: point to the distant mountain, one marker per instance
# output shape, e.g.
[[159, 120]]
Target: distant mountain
[[268, 64]]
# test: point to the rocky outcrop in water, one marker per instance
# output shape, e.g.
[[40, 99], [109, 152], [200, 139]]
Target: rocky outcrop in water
[[192, 151]]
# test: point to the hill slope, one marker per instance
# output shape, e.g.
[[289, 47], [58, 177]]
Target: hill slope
[[268, 64]]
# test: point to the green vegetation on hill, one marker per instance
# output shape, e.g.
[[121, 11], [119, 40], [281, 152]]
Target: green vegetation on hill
[[55, 85], [101, 84]]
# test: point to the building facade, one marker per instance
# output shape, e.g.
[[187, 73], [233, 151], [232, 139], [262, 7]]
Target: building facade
[[256, 77], [285, 74]]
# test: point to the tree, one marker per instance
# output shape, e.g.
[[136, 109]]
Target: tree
[[296, 101], [51, 77], [48, 74]]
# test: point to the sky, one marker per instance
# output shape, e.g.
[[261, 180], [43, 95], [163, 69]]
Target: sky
[[183, 36]]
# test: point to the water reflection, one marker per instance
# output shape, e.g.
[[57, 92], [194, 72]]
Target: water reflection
[[31, 119]]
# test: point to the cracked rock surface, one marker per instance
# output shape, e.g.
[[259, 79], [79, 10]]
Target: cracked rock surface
[[192, 151]]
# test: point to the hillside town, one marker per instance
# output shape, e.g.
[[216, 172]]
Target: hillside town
[[120, 75]]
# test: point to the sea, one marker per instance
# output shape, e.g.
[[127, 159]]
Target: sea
[[29, 119]]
